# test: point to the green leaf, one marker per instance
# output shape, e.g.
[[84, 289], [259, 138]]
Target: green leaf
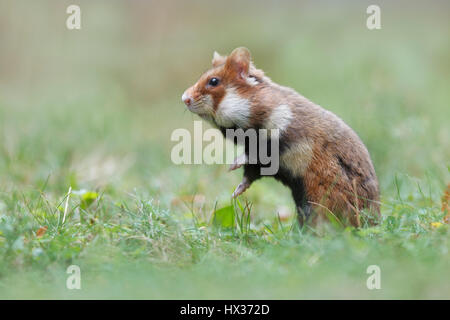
[[87, 197], [224, 217]]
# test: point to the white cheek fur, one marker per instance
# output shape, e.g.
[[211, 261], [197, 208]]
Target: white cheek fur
[[208, 101], [251, 81], [233, 110], [204, 107]]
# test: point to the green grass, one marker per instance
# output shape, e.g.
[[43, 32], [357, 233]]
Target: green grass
[[93, 110]]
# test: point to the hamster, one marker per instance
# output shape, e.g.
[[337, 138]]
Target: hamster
[[321, 159]]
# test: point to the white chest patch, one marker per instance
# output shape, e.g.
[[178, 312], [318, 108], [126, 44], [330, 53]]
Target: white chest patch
[[280, 118], [297, 158], [233, 110]]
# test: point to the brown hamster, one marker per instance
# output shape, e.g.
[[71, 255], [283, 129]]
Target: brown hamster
[[321, 159]]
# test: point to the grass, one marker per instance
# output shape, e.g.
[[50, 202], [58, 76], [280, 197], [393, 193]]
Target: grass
[[93, 111], [128, 246]]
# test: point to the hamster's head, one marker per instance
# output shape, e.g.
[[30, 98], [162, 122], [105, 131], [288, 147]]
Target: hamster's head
[[222, 95]]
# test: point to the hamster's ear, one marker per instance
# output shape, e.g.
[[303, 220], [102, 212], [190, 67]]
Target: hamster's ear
[[217, 59], [239, 61]]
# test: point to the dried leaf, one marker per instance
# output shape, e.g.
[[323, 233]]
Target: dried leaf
[[41, 231]]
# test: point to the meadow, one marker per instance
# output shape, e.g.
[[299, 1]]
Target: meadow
[[92, 111]]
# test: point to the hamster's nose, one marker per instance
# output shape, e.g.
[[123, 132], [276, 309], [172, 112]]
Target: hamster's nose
[[186, 99]]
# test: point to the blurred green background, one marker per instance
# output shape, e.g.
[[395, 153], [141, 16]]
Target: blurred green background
[[94, 109]]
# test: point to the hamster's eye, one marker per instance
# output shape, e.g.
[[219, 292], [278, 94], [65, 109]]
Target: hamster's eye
[[213, 82]]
